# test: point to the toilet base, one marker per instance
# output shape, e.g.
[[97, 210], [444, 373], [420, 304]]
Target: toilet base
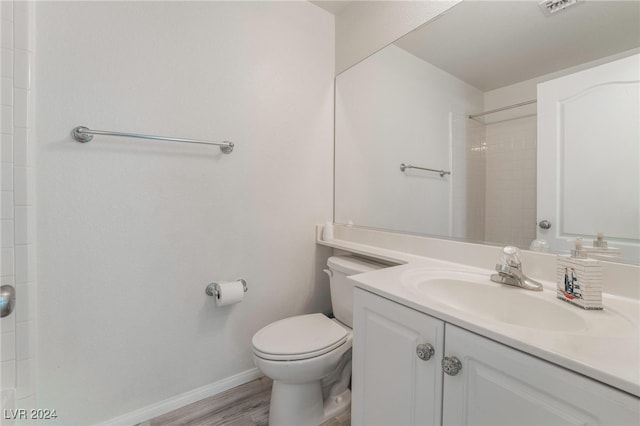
[[296, 404], [302, 405], [335, 405]]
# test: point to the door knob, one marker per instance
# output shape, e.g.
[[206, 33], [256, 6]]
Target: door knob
[[425, 351], [7, 300], [544, 224], [451, 365]]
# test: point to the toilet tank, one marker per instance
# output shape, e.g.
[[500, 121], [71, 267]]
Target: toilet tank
[[342, 288]]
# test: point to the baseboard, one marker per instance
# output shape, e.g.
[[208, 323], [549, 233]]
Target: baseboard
[[178, 401]]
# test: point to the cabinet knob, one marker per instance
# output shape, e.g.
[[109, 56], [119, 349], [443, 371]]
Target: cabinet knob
[[451, 365], [425, 351]]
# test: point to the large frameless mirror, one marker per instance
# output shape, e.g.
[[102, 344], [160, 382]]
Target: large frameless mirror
[[439, 133]]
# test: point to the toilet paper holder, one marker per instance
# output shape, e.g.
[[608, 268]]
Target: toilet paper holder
[[213, 289]]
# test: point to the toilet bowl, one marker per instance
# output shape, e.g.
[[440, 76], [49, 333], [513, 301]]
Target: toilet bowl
[[315, 347], [308, 357]]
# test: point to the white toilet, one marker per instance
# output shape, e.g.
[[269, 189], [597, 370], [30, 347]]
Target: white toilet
[[308, 357]]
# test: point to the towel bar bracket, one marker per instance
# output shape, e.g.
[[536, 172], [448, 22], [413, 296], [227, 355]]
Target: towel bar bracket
[[80, 135]]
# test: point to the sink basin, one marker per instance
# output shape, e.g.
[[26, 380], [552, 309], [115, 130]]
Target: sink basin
[[477, 295]]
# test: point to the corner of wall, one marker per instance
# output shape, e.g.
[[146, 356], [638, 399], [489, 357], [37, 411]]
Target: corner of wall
[[18, 207]]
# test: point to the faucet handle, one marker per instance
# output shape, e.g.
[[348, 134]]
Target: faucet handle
[[503, 269], [511, 256]]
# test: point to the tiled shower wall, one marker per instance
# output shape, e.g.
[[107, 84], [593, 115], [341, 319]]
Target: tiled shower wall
[[18, 330], [476, 148], [510, 193], [468, 178]]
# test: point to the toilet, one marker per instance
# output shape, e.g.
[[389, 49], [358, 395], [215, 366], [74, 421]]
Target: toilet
[[308, 357]]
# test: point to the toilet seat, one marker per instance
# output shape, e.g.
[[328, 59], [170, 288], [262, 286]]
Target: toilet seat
[[297, 338]]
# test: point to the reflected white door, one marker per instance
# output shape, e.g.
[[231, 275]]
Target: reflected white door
[[589, 156]]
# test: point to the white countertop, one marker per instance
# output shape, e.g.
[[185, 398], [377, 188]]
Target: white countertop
[[606, 349]]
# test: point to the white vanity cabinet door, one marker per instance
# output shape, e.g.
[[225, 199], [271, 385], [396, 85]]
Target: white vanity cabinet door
[[391, 385], [498, 385]]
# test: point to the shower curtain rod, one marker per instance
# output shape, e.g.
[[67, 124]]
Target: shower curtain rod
[[533, 101], [84, 135]]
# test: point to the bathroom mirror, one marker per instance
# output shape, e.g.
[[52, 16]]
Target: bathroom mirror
[[436, 134]]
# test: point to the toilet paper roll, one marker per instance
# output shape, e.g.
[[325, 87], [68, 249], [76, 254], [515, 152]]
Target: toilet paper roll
[[230, 292]]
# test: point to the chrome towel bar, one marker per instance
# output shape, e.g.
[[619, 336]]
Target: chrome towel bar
[[404, 167], [84, 135]]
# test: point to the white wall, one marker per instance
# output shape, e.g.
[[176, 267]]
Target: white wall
[[131, 231], [413, 125], [364, 27]]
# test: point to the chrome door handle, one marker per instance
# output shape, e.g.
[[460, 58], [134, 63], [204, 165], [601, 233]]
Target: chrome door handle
[[451, 365], [425, 351], [7, 300]]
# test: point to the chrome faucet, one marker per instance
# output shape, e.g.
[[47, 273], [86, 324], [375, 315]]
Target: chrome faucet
[[510, 271]]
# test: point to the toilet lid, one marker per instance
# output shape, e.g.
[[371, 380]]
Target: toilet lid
[[299, 337]]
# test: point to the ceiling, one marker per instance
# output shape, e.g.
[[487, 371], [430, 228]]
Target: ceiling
[[333, 7], [492, 44]]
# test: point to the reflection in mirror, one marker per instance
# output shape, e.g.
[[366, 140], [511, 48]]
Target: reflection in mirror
[[455, 102]]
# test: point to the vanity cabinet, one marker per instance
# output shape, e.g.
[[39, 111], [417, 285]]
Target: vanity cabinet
[[496, 384], [391, 385]]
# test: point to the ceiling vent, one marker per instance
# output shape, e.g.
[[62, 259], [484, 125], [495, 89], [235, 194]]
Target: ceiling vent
[[550, 7]]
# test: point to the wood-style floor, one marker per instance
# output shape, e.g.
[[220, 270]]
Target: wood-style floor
[[245, 405]]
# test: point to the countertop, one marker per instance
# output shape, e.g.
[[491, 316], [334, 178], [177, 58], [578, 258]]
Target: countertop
[[607, 349]]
